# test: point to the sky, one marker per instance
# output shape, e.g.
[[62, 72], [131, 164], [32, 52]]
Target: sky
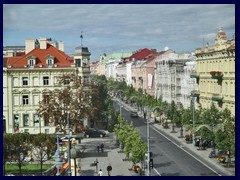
[[118, 28]]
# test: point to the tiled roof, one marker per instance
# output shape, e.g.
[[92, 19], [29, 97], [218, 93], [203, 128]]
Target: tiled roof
[[140, 54], [61, 59]]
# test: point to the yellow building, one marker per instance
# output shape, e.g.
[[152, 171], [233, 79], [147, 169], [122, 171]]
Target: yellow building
[[215, 73]]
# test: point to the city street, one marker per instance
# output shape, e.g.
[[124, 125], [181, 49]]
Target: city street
[[169, 156]]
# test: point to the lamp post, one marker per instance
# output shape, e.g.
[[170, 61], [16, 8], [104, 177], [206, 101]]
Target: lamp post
[[74, 155], [193, 136], [148, 142], [58, 160], [69, 146], [120, 109]]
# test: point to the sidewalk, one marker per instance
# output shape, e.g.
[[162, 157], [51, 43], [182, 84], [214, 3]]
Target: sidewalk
[[202, 154], [111, 155]]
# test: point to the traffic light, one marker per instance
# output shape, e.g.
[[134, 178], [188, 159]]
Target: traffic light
[[151, 163], [150, 154]]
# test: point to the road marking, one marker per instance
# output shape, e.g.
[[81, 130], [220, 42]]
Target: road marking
[[157, 172], [185, 150]]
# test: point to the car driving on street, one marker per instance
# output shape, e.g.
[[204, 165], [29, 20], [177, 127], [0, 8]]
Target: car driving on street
[[91, 132], [134, 114]]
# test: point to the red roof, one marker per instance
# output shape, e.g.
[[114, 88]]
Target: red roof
[[141, 54], [60, 58]]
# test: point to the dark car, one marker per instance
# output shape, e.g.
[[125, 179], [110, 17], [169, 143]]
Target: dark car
[[91, 132], [134, 114]]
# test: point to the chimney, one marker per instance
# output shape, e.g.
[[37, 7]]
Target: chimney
[[61, 46], [29, 45], [43, 43]]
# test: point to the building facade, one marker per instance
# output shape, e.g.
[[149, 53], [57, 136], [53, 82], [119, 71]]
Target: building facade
[[215, 73], [27, 78], [170, 77]]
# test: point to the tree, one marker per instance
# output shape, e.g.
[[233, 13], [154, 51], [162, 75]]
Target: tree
[[139, 149], [225, 137], [74, 98], [19, 147], [42, 146]]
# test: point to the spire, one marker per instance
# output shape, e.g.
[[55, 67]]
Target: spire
[[81, 36]]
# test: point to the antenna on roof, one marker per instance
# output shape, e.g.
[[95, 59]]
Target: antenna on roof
[[81, 38]]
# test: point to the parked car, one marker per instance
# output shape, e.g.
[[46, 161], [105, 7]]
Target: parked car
[[134, 114], [91, 132]]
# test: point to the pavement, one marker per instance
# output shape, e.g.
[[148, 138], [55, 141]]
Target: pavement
[[112, 154]]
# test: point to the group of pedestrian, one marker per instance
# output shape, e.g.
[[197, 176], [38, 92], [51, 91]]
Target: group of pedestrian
[[100, 146], [109, 170]]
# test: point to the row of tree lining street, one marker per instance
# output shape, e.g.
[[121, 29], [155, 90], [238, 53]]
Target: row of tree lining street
[[211, 124]]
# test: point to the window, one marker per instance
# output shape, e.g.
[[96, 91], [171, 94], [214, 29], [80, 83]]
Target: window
[[15, 82], [49, 62], [16, 122], [46, 99], [25, 81], [35, 81], [66, 81], [78, 62], [25, 99], [35, 99], [31, 62], [46, 131], [25, 120], [45, 81], [35, 120], [16, 100]]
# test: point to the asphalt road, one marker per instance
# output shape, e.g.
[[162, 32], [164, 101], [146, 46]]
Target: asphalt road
[[169, 159]]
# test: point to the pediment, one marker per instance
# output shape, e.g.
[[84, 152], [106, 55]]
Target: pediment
[[15, 91]]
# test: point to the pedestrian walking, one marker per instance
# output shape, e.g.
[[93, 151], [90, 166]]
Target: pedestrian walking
[[98, 147], [100, 173], [96, 164], [109, 169], [102, 146]]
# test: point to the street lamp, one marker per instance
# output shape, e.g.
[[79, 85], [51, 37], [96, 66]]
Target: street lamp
[[69, 145], [74, 155], [120, 109], [58, 161], [193, 136], [148, 141]]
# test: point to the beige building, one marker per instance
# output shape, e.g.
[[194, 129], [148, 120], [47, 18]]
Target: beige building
[[26, 78], [215, 73]]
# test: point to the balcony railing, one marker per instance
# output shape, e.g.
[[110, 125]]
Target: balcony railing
[[194, 74], [217, 97], [216, 75], [195, 93]]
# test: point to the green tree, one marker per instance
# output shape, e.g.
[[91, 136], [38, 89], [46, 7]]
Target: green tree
[[75, 98], [42, 146], [225, 137], [139, 149]]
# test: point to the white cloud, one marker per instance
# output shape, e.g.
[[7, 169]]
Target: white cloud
[[122, 25]]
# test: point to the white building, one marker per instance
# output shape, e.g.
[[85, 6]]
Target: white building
[[26, 78], [188, 84], [171, 81]]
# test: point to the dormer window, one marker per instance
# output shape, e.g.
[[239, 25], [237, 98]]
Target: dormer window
[[31, 61], [49, 61]]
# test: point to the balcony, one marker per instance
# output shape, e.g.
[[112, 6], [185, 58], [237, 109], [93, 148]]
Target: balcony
[[195, 93], [217, 97], [194, 74], [216, 75]]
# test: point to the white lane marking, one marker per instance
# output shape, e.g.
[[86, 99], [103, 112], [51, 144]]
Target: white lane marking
[[157, 172], [185, 151]]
